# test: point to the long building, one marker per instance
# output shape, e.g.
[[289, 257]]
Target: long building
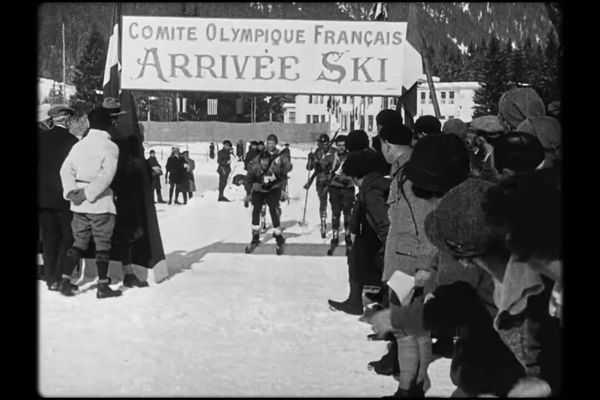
[[358, 112]]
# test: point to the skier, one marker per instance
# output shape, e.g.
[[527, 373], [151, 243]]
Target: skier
[[322, 167], [341, 194], [266, 172]]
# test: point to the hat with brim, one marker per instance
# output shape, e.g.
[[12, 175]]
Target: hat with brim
[[113, 106], [59, 111], [487, 124], [458, 225], [455, 126]]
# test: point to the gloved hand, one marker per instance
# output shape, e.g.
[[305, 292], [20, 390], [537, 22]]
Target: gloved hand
[[77, 196]]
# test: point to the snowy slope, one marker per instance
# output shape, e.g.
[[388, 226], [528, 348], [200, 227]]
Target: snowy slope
[[230, 324]]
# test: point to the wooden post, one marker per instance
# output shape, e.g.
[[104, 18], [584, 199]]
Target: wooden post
[[64, 93]]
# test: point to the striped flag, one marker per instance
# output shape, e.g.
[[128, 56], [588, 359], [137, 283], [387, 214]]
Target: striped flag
[[211, 106], [378, 12], [111, 85]]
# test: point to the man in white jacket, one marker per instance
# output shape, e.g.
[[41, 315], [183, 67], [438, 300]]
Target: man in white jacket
[[86, 175]]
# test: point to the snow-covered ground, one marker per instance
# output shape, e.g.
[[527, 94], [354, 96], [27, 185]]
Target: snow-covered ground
[[229, 324]]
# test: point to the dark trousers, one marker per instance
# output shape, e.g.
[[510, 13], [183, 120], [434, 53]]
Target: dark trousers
[[322, 190], [171, 190], [156, 186], [222, 182], [272, 199], [341, 200], [57, 238]]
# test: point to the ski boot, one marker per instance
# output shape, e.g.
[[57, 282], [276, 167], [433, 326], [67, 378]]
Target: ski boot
[[67, 288], [334, 242], [280, 244], [254, 243]]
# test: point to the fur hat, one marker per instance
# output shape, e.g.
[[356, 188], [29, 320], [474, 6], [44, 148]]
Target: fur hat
[[357, 140], [518, 104], [518, 151], [389, 117], [360, 163], [396, 134], [438, 163], [428, 124], [458, 225], [455, 126]]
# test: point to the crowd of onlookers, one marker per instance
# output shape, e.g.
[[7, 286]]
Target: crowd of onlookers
[[455, 248]]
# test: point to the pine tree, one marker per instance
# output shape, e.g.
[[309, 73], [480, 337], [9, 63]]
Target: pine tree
[[494, 82], [553, 68], [516, 66], [89, 74]]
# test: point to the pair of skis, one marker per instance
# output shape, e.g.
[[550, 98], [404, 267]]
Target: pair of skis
[[279, 247]]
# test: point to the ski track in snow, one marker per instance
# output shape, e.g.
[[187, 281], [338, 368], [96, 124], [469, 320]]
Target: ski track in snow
[[230, 324]]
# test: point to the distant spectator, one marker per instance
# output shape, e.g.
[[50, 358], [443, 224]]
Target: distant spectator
[[156, 174], [175, 175], [211, 151], [224, 168], [189, 166]]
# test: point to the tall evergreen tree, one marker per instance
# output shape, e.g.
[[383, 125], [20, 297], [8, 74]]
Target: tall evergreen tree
[[552, 68], [89, 73], [494, 82]]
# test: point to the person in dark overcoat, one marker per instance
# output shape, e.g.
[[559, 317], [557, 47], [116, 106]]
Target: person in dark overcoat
[[224, 168], [53, 210], [128, 188], [371, 223], [156, 172], [175, 173]]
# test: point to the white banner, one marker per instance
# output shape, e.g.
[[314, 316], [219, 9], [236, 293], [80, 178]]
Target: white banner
[[267, 56]]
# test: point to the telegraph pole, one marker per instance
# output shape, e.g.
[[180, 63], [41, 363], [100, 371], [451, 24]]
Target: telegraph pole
[[64, 66]]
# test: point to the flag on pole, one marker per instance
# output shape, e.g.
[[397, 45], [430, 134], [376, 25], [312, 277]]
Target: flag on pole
[[112, 69], [378, 12], [147, 247]]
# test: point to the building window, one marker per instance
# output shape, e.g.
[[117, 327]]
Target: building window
[[344, 99], [322, 118], [369, 99], [442, 117], [430, 101], [443, 98], [292, 119], [384, 102], [391, 102], [308, 119], [450, 116], [362, 122], [451, 100], [344, 122], [370, 127], [423, 96], [315, 119]]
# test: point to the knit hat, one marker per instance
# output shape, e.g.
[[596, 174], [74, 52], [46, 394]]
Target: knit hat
[[360, 163], [428, 124], [396, 134], [518, 104], [518, 151], [388, 117], [438, 163], [228, 142], [546, 129], [99, 118], [456, 127], [488, 124], [323, 138], [273, 137], [357, 140], [458, 225]]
